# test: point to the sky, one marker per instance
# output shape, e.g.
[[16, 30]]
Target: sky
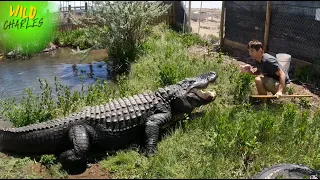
[[194, 4], [205, 4]]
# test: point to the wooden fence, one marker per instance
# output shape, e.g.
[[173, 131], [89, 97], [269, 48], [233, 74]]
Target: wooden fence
[[168, 18]]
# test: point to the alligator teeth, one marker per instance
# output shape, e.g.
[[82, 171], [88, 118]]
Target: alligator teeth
[[212, 92]]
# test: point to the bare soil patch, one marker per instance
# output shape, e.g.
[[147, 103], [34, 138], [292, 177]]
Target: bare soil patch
[[94, 172], [209, 21], [205, 53]]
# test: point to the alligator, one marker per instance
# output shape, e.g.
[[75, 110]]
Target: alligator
[[112, 125]]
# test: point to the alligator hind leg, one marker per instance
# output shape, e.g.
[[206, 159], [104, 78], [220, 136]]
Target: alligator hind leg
[[77, 156], [153, 124]]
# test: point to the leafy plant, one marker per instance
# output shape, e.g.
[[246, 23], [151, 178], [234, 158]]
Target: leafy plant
[[48, 160], [242, 87], [190, 39], [83, 38], [126, 23]]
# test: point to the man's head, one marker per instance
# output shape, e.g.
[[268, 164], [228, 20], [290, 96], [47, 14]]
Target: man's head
[[255, 49], [188, 93]]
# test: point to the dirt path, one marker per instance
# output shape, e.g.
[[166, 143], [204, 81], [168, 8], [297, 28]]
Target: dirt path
[[93, 172], [209, 22], [314, 101]]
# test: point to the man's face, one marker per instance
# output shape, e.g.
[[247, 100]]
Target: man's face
[[254, 54]]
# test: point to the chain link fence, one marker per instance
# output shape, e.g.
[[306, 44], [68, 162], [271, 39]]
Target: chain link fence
[[245, 20], [294, 28], [205, 17]]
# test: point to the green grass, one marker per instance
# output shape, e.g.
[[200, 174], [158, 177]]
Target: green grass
[[232, 139]]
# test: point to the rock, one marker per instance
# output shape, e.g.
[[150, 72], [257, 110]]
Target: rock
[[51, 48]]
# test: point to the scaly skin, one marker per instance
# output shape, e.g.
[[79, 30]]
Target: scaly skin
[[113, 125]]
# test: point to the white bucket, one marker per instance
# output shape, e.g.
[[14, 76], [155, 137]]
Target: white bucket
[[284, 60]]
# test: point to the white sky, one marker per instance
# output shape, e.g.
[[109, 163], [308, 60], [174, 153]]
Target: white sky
[[194, 4], [205, 4]]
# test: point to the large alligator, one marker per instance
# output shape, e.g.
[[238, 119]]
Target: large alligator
[[112, 125]]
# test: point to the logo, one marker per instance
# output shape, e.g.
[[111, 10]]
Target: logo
[[27, 27]]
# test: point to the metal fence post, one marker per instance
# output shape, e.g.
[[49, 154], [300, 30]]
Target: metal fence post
[[222, 24], [189, 17], [266, 26], [199, 16]]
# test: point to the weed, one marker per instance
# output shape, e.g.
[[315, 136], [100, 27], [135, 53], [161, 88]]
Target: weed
[[242, 88], [48, 160], [304, 103], [189, 39], [290, 90], [220, 59]]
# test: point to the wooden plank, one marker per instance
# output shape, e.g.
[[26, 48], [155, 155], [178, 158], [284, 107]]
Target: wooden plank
[[173, 14], [222, 24], [266, 26], [283, 96], [236, 45]]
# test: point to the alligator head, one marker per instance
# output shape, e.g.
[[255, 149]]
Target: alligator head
[[189, 93]]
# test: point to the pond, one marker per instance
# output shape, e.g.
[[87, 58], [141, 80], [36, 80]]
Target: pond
[[66, 64]]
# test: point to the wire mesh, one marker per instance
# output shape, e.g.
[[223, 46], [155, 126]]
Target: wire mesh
[[294, 30], [205, 18], [245, 20]]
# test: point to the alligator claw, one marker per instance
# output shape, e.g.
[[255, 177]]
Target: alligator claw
[[148, 152]]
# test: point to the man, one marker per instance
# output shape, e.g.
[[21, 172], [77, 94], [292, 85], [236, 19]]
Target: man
[[271, 75]]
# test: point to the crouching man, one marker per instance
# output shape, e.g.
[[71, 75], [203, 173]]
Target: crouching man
[[271, 76]]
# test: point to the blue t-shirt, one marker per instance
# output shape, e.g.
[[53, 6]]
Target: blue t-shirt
[[269, 66]]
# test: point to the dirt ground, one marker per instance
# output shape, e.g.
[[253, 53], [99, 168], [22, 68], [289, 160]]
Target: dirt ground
[[303, 89], [93, 172], [209, 23]]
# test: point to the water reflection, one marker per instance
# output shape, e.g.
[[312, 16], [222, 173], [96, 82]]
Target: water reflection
[[17, 75]]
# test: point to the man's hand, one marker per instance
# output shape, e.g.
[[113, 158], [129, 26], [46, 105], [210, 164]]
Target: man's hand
[[246, 68], [278, 94]]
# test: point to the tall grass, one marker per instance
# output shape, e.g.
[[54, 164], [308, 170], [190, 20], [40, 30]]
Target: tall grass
[[232, 139]]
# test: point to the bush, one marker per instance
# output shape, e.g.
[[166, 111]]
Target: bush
[[83, 38], [127, 23]]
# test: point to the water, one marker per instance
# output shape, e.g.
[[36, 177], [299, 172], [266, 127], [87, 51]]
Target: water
[[17, 75]]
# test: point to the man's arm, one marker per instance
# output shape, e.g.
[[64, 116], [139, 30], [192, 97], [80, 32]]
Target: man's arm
[[248, 69], [282, 78]]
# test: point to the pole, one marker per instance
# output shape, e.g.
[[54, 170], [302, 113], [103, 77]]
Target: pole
[[266, 26], [199, 17], [282, 96], [222, 24], [189, 17], [184, 18]]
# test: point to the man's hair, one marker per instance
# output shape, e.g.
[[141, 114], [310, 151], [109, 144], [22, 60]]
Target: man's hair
[[255, 44]]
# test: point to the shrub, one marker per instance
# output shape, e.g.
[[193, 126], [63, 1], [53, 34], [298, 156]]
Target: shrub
[[126, 23]]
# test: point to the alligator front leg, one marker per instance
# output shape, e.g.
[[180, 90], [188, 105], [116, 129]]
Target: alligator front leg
[[79, 137], [153, 125]]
